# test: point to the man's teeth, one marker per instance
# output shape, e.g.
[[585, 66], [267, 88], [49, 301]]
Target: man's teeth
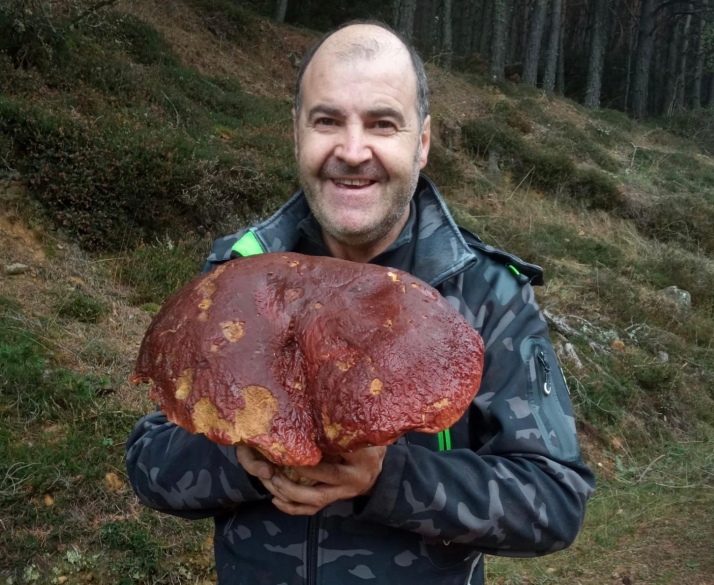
[[353, 182]]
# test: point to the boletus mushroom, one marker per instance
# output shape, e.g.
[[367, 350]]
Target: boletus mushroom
[[301, 356]]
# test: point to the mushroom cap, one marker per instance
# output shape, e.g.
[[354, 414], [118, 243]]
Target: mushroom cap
[[300, 356]]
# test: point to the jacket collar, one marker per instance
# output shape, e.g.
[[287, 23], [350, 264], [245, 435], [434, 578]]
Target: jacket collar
[[440, 250]]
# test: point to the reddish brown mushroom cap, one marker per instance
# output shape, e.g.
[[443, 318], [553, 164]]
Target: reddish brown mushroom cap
[[301, 356]]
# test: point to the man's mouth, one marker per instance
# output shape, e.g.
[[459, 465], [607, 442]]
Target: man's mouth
[[353, 183]]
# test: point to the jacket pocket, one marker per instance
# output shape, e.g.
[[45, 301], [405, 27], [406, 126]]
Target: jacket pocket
[[447, 555], [548, 399]]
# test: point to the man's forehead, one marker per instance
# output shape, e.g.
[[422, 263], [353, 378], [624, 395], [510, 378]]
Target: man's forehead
[[358, 44], [361, 41]]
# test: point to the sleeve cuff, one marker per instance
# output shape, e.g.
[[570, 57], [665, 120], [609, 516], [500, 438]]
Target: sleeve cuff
[[379, 505]]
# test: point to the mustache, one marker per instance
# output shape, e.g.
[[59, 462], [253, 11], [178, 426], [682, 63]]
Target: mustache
[[334, 168]]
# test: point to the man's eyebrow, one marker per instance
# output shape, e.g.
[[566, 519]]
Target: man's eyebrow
[[325, 110], [387, 112]]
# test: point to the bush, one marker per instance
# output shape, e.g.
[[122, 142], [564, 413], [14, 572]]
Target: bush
[[155, 150], [695, 125], [81, 307], [674, 219]]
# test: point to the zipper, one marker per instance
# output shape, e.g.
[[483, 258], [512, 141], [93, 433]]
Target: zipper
[[313, 523], [543, 359]]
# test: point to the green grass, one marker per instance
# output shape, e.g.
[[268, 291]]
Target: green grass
[[129, 125], [156, 272], [62, 432], [548, 167], [81, 307]]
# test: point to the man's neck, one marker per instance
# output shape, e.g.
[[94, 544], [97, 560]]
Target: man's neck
[[365, 252]]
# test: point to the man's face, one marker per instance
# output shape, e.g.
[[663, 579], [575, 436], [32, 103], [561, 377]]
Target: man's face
[[358, 143]]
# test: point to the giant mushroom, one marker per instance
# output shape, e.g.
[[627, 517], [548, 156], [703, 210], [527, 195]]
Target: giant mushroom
[[300, 356]]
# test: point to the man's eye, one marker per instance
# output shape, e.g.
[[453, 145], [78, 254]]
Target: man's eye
[[324, 122], [384, 125]]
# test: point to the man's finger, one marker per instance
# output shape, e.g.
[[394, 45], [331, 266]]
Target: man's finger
[[318, 496], [329, 473], [249, 461], [295, 509], [268, 484]]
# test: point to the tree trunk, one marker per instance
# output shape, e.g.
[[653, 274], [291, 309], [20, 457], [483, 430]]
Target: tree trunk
[[645, 44], [280, 9], [498, 45], [404, 17], [560, 78], [462, 41], [670, 85], [486, 29], [659, 68], [682, 66], [551, 62], [596, 59], [696, 98], [710, 94], [513, 16], [535, 35], [446, 41]]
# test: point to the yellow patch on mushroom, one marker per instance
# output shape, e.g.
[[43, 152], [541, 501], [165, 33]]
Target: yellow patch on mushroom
[[415, 285], [344, 366], [440, 404], [204, 304], [277, 447], [318, 305], [393, 276], [332, 430], [183, 384], [297, 385], [233, 330], [171, 330], [293, 264], [257, 416], [293, 294], [375, 387], [159, 358], [207, 288], [389, 323], [346, 440], [205, 418]]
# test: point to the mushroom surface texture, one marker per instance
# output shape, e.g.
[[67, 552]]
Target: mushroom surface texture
[[302, 356]]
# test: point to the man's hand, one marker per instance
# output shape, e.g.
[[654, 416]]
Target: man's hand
[[354, 476], [257, 467]]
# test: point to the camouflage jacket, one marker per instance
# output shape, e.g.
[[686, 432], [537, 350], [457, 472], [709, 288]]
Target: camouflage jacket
[[507, 479]]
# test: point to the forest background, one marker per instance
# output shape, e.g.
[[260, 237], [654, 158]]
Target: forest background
[[576, 134]]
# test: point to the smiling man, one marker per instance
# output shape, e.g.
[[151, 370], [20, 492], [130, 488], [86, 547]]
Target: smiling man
[[507, 479]]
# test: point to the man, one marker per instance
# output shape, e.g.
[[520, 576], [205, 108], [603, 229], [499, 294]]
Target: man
[[507, 479]]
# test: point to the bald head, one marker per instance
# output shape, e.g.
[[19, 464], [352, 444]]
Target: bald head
[[367, 41]]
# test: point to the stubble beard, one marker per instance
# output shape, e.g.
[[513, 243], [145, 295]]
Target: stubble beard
[[370, 233]]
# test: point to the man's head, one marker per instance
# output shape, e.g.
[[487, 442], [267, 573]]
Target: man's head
[[362, 132]]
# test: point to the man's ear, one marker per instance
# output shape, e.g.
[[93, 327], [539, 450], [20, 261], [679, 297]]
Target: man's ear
[[425, 142], [295, 133]]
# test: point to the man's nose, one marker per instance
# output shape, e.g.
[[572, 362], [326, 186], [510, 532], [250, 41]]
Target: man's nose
[[354, 147]]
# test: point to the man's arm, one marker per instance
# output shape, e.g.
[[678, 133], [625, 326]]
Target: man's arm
[[183, 474], [522, 488]]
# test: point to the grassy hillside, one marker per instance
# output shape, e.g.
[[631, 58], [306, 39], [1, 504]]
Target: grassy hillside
[[131, 138]]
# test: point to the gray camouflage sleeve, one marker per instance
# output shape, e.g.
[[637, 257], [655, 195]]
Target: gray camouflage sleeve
[[183, 474], [518, 487]]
